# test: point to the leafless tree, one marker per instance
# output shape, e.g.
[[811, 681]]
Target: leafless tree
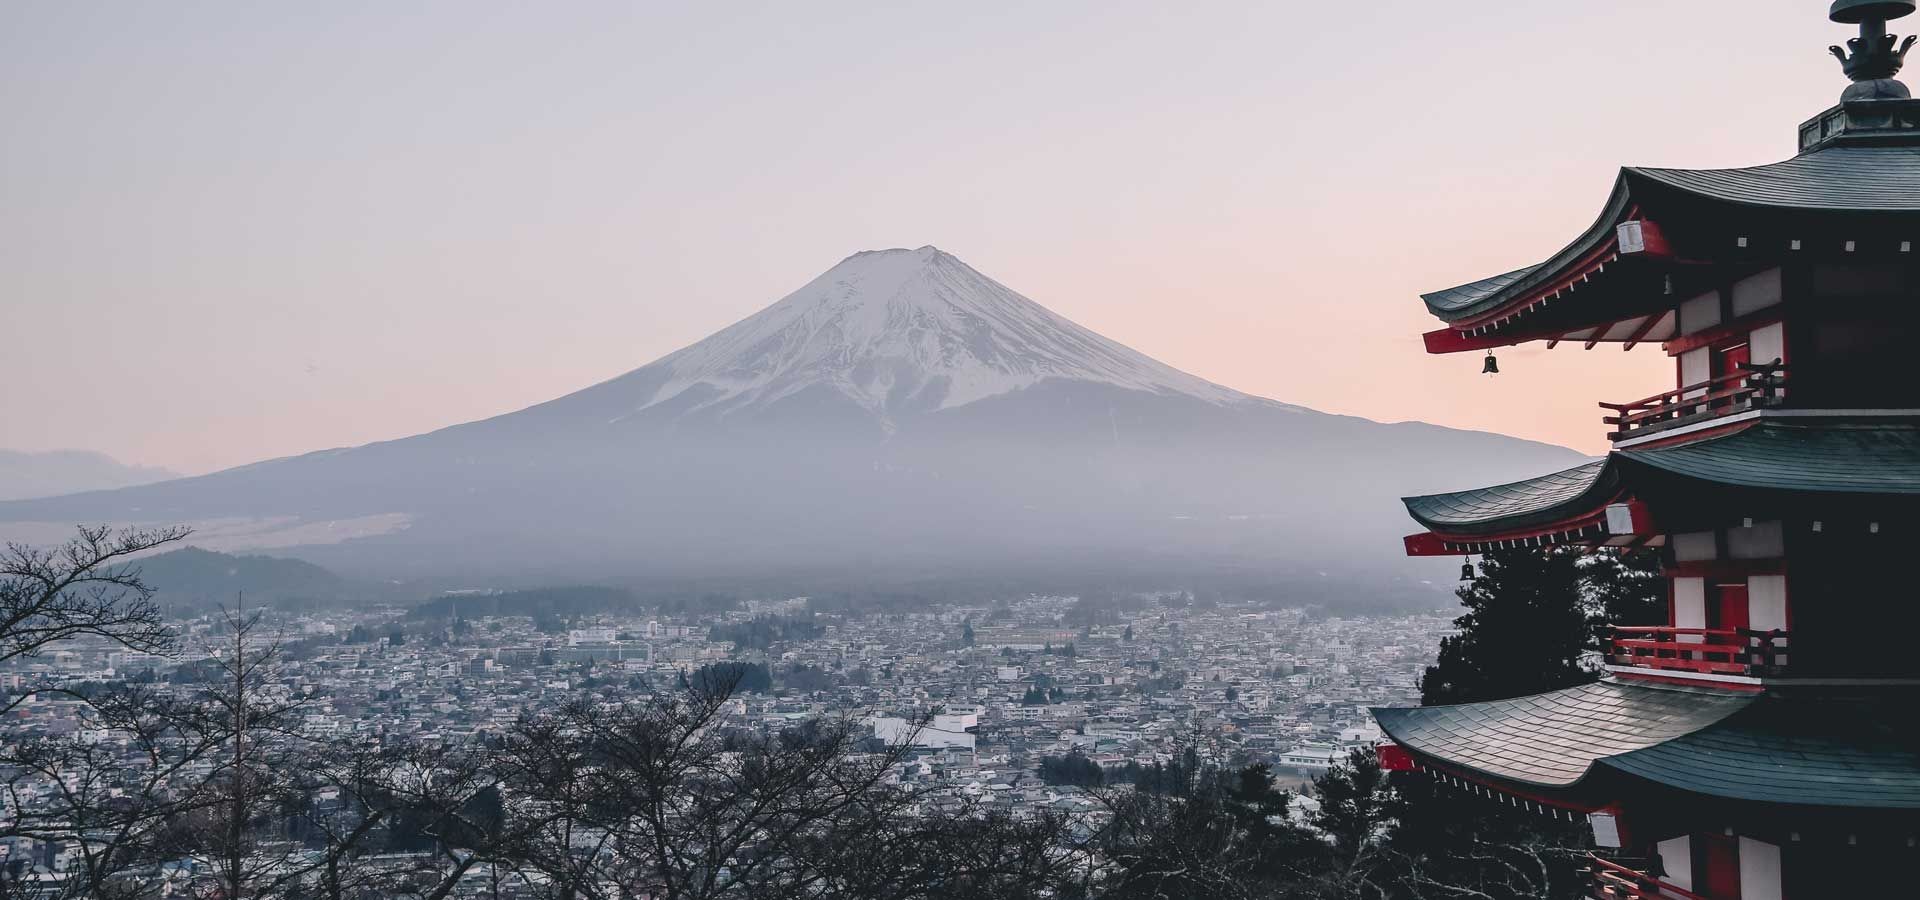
[[665, 797], [109, 795], [85, 587]]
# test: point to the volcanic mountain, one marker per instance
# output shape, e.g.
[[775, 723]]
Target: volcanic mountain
[[900, 412]]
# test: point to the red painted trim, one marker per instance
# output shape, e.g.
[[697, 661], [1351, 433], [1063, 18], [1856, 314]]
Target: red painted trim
[[1495, 784], [1565, 533], [1394, 758], [1653, 238], [1727, 568], [1579, 270], [1448, 340]]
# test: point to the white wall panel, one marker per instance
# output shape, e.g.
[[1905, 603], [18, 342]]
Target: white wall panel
[[1700, 312], [1695, 546], [1768, 343], [1690, 606], [1759, 870], [1695, 367], [1676, 856], [1767, 602], [1756, 292]]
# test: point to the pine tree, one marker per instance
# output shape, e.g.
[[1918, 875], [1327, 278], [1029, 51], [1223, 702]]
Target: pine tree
[[1624, 588], [1526, 631]]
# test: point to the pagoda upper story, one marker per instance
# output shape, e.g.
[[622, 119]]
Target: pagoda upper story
[[1781, 472], [1787, 286]]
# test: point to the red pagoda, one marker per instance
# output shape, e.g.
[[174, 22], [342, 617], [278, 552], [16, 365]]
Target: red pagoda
[[1763, 743]]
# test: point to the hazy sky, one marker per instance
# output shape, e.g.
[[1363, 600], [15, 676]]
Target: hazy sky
[[234, 231]]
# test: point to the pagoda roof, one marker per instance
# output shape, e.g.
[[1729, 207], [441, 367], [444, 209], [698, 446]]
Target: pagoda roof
[[1812, 749], [1841, 179], [1826, 457], [1516, 504], [1552, 740], [1820, 748], [1495, 311], [1800, 455], [1466, 296]]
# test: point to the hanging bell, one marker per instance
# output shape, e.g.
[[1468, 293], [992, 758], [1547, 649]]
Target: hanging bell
[[1466, 570], [1491, 366]]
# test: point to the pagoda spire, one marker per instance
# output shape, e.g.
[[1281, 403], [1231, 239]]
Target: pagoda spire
[[1875, 58]]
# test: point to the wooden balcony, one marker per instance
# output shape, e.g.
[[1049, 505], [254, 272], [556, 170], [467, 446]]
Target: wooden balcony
[[1613, 880], [1713, 651], [1753, 387]]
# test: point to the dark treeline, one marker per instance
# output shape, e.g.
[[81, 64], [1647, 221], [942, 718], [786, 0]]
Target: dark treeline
[[762, 632], [564, 602]]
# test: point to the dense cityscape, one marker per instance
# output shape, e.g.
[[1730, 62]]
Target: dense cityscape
[[1009, 685], [1038, 709]]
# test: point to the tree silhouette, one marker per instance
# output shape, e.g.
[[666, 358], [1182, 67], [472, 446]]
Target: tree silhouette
[[1526, 630]]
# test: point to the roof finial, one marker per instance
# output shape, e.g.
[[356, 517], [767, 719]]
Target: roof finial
[[1875, 58]]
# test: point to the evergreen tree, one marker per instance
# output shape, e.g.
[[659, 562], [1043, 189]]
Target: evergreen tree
[[1526, 631], [1127, 635], [966, 633], [1624, 588], [1356, 803]]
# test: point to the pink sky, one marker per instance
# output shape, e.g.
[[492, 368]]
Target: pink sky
[[234, 232]]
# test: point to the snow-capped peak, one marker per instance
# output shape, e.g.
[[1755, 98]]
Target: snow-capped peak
[[900, 330]]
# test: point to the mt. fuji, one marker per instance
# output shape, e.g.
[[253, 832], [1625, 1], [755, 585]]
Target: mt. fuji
[[901, 331], [901, 413]]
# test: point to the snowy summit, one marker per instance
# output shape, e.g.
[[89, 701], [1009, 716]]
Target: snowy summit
[[905, 331]]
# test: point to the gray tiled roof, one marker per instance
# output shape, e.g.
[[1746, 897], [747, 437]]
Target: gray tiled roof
[[1838, 178], [1853, 179], [1822, 457], [1514, 504], [1553, 739], [1815, 750], [1466, 295], [1784, 455]]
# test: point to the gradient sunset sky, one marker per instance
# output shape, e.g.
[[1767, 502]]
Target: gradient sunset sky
[[235, 231]]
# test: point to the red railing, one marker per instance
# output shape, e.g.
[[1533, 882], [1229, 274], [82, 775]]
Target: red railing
[[1616, 881], [1718, 651], [1753, 387]]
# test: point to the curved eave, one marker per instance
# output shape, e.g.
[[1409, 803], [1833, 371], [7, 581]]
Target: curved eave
[[1503, 509], [1857, 458], [1830, 750], [1552, 741], [1805, 458], [1469, 303], [1876, 181]]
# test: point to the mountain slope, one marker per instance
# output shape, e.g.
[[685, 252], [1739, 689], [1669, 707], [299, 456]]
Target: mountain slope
[[192, 579], [901, 412]]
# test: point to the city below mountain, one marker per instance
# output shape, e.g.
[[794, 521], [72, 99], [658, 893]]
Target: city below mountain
[[902, 415]]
